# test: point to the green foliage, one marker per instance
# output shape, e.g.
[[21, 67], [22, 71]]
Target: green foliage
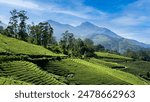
[[22, 25], [28, 72], [67, 43], [140, 55], [99, 48], [41, 34], [17, 25], [76, 47]]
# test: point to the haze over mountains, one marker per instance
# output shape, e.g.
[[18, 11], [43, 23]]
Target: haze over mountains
[[99, 35], [2, 25]]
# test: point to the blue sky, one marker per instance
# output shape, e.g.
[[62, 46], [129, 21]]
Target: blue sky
[[128, 18]]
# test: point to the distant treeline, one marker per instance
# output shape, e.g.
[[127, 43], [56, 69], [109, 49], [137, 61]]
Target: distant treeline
[[143, 54]]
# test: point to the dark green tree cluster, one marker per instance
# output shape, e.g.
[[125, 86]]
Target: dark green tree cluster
[[77, 47], [40, 34], [17, 25], [1, 28], [139, 55]]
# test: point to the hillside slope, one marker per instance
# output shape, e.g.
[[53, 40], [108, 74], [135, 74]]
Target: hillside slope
[[14, 46], [79, 71]]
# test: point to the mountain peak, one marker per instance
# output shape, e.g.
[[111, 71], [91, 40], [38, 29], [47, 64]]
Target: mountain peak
[[86, 24]]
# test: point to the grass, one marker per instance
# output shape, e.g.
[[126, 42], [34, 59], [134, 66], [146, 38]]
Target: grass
[[111, 56], [9, 81], [83, 72], [15, 46], [27, 72]]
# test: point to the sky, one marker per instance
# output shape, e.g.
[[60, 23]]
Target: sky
[[127, 18]]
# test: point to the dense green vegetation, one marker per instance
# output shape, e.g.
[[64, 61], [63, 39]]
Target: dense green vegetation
[[143, 54]]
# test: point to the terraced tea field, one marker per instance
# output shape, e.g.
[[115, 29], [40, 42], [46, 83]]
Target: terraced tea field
[[27, 72], [140, 68], [22, 63], [83, 72], [106, 63], [9, 81]]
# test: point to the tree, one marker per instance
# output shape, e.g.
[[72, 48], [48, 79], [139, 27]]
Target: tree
[[88, 48], [1, 29], [46, 33], [99, 47], [22, 25], [67, 43], [148, 74], [12, 28], [41, 34], [17, 25], [76, 47]]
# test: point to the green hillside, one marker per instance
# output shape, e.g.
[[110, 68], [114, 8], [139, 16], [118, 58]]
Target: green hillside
[[106, 63], [14, 46], [20, 66], [79, 71], [111, 56], [28, 72]]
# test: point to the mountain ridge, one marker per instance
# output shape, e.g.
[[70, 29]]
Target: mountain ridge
[[100, 35]]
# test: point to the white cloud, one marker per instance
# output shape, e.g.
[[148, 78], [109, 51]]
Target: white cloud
[[74, 9], [21, 3]]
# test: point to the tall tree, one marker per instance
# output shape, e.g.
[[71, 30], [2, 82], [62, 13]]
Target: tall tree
[[13, 24], [46, 33], [67, 43], [22, 25], [41, 34]]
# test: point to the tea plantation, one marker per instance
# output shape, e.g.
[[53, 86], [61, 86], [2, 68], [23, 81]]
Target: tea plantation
[[22, 63]]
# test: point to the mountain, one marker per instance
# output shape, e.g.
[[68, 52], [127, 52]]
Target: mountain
[[99, 35]]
